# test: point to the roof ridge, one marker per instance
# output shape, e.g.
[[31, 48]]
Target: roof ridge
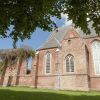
[[55, 37]]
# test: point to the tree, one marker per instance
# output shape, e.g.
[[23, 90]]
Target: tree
[[82, 12], [26, 15]]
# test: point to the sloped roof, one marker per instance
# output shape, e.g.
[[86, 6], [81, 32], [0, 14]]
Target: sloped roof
[[57, 36]]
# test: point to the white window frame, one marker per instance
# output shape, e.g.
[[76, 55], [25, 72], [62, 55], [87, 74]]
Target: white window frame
[[96, 56], [50, 63], [69, 63]]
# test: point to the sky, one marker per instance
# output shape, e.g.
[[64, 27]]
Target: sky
[[38, 37]]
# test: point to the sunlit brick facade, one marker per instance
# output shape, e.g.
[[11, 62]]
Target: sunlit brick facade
[[77, 73]]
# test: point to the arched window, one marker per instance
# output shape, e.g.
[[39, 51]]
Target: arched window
[[69, 63], [96, 56], [48, 63]]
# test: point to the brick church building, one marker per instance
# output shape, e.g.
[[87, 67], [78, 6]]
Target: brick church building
[[68, 60]]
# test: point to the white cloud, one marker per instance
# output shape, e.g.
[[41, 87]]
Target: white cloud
[[66, 21]]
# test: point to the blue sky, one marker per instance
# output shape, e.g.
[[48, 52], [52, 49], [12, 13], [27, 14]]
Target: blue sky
[[37, 38]]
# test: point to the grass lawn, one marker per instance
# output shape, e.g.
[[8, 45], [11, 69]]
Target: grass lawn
[[24, 93]]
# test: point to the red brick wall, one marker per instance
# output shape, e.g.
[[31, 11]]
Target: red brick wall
[[83, 78], [43, 79], [78, 80], [18, 74], [72, 81], [94, 79], [41, 60]]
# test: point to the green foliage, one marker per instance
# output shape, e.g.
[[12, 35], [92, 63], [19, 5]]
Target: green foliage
[[79, 10], [25, 53], [24, 16], [10, 57]]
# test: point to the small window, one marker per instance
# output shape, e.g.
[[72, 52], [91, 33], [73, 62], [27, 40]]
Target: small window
[[69, 63], [48, 63], [29, 65]]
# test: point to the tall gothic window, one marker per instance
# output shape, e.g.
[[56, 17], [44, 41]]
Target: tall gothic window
[[69, 63], [48, 63], [96, 56], [29, 65]]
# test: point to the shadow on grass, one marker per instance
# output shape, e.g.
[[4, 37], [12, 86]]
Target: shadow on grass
[[34, 95]]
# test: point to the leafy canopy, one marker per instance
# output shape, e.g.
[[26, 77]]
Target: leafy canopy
[[26, 15]]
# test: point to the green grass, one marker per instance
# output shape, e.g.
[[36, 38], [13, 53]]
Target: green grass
[[24, 93]]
